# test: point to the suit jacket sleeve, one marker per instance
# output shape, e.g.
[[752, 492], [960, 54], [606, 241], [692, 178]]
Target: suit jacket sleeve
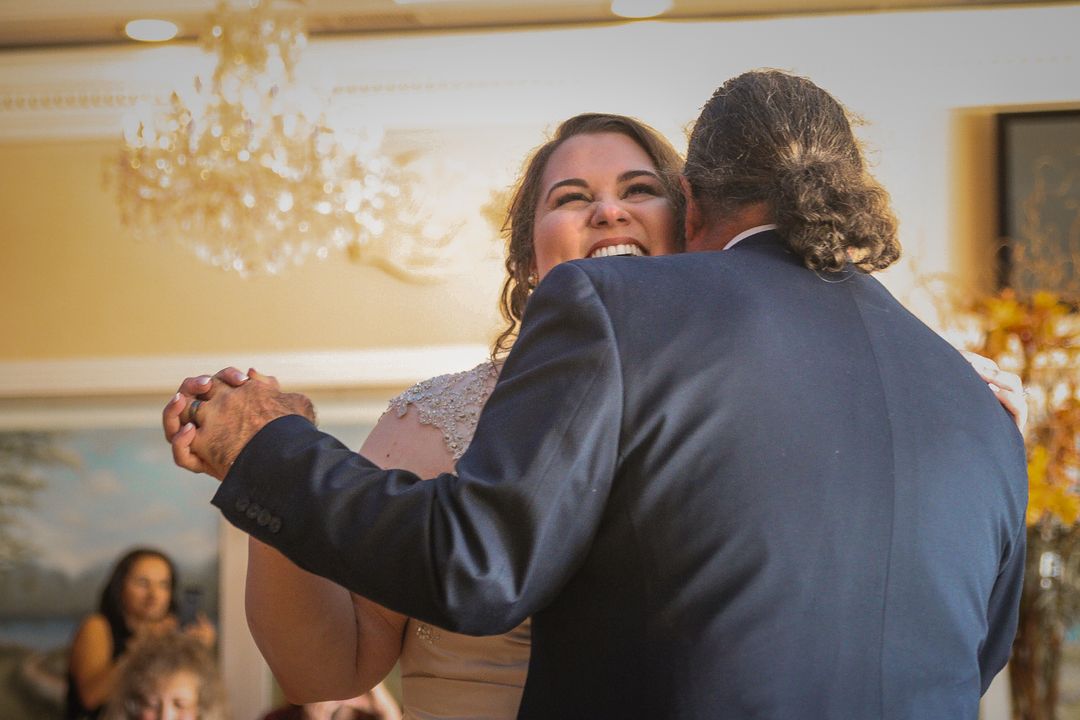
[[1003, 609], [479, 551]]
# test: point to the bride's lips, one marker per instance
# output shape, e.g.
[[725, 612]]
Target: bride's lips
[[616, 246]]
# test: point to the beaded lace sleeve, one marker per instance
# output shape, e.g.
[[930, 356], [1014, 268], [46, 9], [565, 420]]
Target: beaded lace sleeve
[[451, 403]]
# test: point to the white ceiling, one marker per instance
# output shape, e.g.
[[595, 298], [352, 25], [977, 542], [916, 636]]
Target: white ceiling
[[44, 23]]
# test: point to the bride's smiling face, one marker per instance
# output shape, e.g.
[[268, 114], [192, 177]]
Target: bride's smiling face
[[600, 195]]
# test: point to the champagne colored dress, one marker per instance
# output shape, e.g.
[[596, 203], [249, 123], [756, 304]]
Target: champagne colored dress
[[445, 675]]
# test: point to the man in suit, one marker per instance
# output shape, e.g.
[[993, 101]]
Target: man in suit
[[738, 482]]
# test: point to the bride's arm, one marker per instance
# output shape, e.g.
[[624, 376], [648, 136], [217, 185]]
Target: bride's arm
[[319, 644], [321, 641]]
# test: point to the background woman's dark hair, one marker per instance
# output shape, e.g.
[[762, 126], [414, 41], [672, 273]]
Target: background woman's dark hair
[[112, 602], [768, 136], [521, 214]]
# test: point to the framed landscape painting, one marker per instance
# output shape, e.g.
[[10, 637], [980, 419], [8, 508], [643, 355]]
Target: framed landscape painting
[[75, 500]]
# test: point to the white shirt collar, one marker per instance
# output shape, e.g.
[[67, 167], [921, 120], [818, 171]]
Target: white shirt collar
[[747, 233]]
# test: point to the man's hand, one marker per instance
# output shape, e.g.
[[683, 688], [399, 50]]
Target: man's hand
[[176, 418], [210, 420]]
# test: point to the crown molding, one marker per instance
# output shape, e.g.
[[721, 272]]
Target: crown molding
[[84, 93], [318, 370], [346, 386]]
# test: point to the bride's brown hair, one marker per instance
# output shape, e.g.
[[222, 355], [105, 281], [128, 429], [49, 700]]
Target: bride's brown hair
[[521, 214]]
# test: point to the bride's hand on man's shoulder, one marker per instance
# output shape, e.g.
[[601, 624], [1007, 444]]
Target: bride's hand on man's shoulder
[[1007, 387]]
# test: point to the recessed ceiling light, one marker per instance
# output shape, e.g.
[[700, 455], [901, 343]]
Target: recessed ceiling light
[[147, 30], [639, 8]]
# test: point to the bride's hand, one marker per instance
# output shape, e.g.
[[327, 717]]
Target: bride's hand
[[1006, 386]]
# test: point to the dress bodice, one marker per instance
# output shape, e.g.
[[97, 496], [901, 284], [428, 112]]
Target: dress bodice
[[445, 674], [451, 403]]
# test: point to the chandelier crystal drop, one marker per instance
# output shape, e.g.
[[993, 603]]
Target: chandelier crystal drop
[[244, 170]]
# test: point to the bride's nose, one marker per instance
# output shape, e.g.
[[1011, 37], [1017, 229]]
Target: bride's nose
[[608, 212]]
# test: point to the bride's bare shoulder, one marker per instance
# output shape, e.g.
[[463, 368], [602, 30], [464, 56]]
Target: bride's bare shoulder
[[429, 426]]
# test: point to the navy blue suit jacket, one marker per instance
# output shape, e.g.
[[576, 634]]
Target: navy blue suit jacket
[[723, 486]]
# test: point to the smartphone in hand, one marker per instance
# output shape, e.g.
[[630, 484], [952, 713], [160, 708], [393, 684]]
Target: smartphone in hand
[[190, 605]]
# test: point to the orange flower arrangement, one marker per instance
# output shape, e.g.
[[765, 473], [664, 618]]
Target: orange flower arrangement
[[1039, 339]]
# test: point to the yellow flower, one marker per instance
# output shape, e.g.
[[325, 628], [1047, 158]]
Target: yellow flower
[[1045, 300], [1028, 333], [1046, 497], [1005, 313]]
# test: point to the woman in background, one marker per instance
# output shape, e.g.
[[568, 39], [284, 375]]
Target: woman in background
[[137, 603]]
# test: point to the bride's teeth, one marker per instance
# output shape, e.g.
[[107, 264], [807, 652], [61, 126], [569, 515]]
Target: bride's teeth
[[611, 250]]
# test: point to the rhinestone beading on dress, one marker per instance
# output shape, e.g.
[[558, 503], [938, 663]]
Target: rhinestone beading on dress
[[452, 403], [427, 633]]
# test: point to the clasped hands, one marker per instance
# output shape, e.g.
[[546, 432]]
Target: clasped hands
[[210, 419]]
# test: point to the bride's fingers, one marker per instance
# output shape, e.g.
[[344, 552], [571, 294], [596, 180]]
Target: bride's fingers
[[201, 385], [231, 376], [170, 415], [1009, 390], [982, 364], [1007, 387], [175, 412], [268, 379], [181, 450], [1015, 402], [1008, 381]]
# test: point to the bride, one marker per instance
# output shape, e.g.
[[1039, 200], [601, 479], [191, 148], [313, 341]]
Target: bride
[[604, 185]]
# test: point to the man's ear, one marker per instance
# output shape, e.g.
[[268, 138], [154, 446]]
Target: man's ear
[[693, 221]]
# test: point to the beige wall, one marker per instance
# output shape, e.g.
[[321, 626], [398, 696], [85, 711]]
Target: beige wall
[[77, 285]]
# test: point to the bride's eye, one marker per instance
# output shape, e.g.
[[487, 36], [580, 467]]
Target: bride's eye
[[642, 189], [570, 197]]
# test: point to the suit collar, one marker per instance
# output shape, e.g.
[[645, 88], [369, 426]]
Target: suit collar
[[748, 233], [761, 238]]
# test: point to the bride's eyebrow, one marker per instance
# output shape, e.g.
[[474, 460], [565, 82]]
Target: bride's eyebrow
[[574, 182], [578, 182], [631, 174]]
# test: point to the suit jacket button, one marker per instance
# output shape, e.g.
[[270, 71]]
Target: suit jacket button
[[242, 504], [264, 518], [252, 511], [275, 525]]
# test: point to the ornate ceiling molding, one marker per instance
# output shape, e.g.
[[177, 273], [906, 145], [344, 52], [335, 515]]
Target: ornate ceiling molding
[[84, 93]]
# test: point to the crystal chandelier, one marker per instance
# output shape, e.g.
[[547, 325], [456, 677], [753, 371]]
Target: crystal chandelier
[[244, 171]]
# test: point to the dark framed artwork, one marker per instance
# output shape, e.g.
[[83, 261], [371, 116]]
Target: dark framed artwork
[[1039, 174]]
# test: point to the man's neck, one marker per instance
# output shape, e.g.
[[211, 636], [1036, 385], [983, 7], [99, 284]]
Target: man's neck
[[716, 233]]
